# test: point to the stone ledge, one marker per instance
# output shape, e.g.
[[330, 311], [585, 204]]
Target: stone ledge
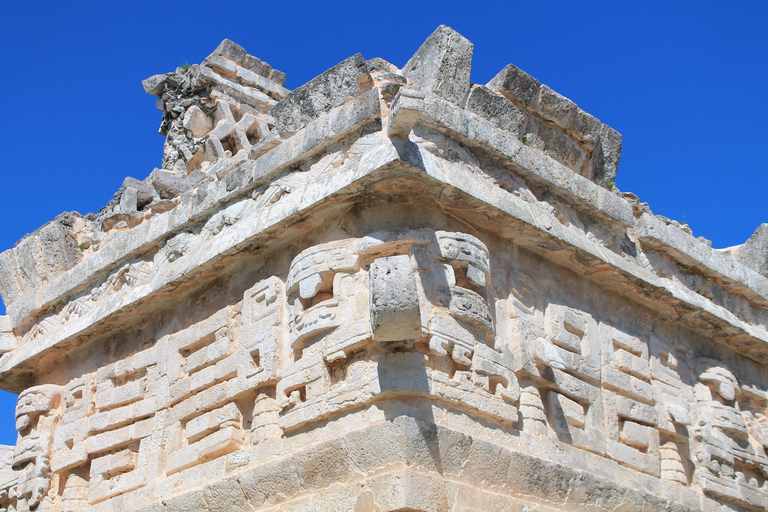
[[476, 131], [405, 463], [541, 228], [690, 252]]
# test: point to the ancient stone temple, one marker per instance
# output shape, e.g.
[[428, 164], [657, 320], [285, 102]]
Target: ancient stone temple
[[387, 290]]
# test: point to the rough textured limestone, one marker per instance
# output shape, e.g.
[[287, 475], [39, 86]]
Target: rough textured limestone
[[387, 290]]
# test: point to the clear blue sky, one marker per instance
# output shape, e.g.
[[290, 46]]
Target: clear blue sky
[[684, 82]]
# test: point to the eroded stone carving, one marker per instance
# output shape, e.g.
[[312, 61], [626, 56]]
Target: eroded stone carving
[[37, 413]]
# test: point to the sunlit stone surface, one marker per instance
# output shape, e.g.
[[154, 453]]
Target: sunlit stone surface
[[387, 290]]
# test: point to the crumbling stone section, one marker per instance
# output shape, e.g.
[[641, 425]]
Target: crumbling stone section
[[387, 290], [754, 253]]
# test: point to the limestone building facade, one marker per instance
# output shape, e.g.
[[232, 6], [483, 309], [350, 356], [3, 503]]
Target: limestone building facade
[[387, 290]]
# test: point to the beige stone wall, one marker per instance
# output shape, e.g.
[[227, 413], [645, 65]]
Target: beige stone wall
[[372, 293]]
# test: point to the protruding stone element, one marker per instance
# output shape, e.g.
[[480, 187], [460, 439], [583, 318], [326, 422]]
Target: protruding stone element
[[405, 111], [497, 109], [395, 313], [586, 129], [754, 253], [466, 250], [232, 51], [555, 107], [197, 122], [517, 85], [155, 84], [168, 184], [58, 248], [8, 340], [605, 158], [37, 413], [338, 85], [442, 65]]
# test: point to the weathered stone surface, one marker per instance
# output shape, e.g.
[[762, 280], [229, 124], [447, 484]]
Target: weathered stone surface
[[169, 185], [517, 85], [556, 145], [442, 65], [339, 84], [605, 158], [497, 109], [232, 51], [395, 314], [405, 111], [8, 340], [155, 84], [555, 107], [434, 311], [754, 253]]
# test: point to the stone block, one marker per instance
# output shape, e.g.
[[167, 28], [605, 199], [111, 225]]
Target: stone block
[[202, 379], [556, 108], [604, 161], [556, 145], [517, 85], [226, 496], [155, 85], [144, 191], [531, 476], [405, 111], [323, 465], [222, 66], [271, 482], [632, 364], [187, 502], [196, 122], [231, 51], [277, 76], [375, 447], [59, 249], [28, 254], [154, 507], [394, 300], [11, 287], [8, 340], [636, 435], [497, 109], [221, 442], [465, 249], [586, 129], [487, 463], [346, 80], [257, 66], [442, 65], [754, 253], [118, 462], [169, 185], [206, 423]]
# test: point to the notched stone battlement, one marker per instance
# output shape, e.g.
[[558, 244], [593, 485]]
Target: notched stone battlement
[[387, 289]]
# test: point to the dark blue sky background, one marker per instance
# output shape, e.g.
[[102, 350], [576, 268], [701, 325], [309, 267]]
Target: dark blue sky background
[[684, 82]]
